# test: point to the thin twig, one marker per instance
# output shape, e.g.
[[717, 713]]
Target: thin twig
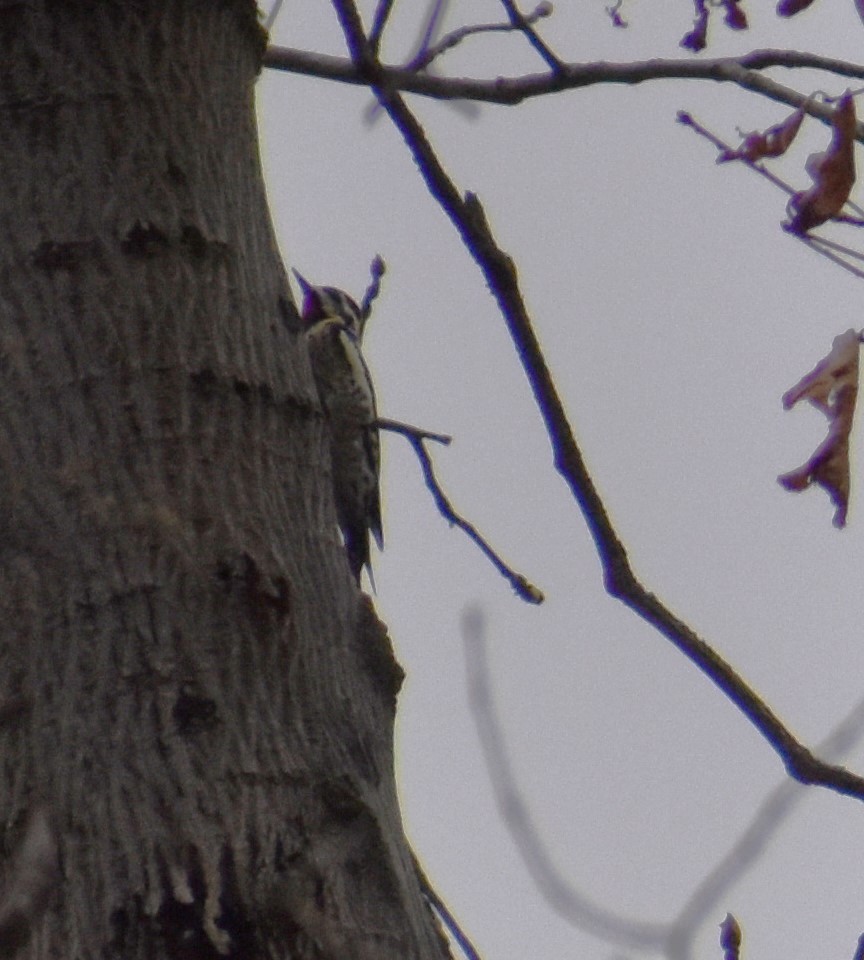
[[407, 430], [426, 52], [839, 247], [352, 27], [416, 437], [379, 21], [448, 41], [443, 911], [525, 24], [846, 218], [730, 938], [614, 13], [817, 243], [456, 36], [274, 13], [437, 9], [687, 120], [377, 269], [820, 246], [499, 271]]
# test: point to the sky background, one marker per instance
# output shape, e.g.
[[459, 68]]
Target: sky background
[[675, 313]]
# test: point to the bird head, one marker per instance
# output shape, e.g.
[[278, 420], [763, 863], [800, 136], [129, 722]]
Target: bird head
[[328, 303]]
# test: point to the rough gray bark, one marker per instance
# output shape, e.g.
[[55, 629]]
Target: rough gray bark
[[196, 704]]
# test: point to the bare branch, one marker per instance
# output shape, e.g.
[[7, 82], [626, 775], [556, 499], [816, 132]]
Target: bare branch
[[352, 29], [568, 902], [822, 245], [773, 812], [436, 15], [377, 269], [742, 71], [426, 51], [839, 247], [443, 911], [687, 120], [675, 939], [396, 426], [379, 21], [499, 271], [455, 37], [271, 17], [525, 24], [730, 938], [416, 437]]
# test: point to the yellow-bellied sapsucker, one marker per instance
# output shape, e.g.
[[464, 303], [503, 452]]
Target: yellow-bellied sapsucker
[[334, 326]]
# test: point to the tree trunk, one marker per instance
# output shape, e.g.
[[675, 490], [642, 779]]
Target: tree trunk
[[196, 702]]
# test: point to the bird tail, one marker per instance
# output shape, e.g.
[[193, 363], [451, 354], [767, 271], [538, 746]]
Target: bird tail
[[357, 548]]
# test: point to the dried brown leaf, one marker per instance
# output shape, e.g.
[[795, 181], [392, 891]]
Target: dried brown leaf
[[614, 13], [735, 18], [832, 386], [833, 173], [696, 39], [773, 142], [788, 8]]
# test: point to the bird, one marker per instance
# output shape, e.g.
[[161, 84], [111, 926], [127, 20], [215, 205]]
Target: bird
[[333, 325]]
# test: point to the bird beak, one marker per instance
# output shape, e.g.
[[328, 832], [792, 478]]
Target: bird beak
[[305, 286]]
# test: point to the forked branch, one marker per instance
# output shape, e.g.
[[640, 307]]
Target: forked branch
[[417, 438], [499, 271], [675, 938], [838, 253], [431, 51], [744, 71]]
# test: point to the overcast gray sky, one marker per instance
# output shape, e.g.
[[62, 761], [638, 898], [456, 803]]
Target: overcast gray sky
[[675, 313]]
